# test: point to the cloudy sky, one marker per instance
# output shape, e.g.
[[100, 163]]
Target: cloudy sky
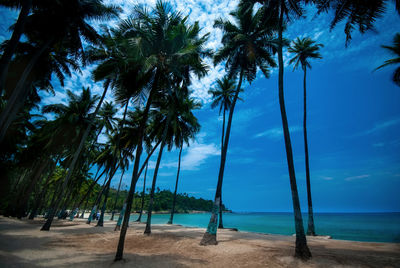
[[353, 123]]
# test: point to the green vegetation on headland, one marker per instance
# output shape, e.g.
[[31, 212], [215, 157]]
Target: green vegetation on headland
[[162, 201]]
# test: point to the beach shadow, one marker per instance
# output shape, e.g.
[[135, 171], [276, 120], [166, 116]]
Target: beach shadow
[[356, 257]]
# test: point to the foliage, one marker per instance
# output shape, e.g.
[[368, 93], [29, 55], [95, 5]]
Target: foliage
[[395, 50]]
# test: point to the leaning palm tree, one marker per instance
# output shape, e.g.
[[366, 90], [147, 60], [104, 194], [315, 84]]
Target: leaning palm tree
[[276, 14], [223, 96], [305, 49], [395, 50], [246, 48]]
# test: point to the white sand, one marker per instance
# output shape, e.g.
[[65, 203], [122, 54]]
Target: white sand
[[76, 244]]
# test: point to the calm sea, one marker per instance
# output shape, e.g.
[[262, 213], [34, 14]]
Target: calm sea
[[373, 227]]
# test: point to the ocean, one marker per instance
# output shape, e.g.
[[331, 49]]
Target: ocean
[[371, 227]]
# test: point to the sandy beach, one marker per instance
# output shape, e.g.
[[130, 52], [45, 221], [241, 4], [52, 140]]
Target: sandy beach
[[76, 244]]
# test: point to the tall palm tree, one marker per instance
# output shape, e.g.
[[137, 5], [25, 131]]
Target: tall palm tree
[[305, 49], [166, 55], [276, 14], [223, 96], [395, 50], [143, 194], [185, 126], [246, 48], [171, 116]]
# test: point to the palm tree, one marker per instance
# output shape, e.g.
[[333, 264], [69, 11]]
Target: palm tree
[[305, 49], [168, 115], [395, 50], [129, 139], [162, 134], [143, 193], [164, 54], [107, 116], [275, 15], [185, 126], [88, 120], [246, 48], [126, 151], [223, 96]]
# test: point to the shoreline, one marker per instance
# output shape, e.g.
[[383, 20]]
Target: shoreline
[[75, 243], [373, 233]]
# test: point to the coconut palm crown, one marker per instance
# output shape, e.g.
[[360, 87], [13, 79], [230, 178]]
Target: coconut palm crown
[[395, 50], [304, 49]]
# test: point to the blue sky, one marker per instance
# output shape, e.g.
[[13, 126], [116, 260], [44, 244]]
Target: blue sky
[[353, 123]]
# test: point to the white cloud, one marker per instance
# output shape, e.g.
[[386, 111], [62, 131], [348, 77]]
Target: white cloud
[[381, 126], [357, 177], [378, 144], [166, 174], [197, 154], [277, 132], [193, 157]]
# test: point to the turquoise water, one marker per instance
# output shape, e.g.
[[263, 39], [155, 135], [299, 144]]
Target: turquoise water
[[373, 227]]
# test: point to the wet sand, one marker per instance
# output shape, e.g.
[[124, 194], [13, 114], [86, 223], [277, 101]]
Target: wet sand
[[77, 244]]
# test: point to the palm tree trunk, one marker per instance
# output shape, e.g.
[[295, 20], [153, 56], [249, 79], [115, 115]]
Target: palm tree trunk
[[69, 195], [210, 236], [41, 195], [103, 209], [86, 195], [143, 192], [57, 189], [171, 219], [147, 230], [20, 178], [82, 216], [15, 192], [302, 250], [46, 226], [221, 225], [116, 198], [135, 177], [23, 200], [120, 217], [98, 199], [144, 165], [13, 42], [311, 228], [19, 95]]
